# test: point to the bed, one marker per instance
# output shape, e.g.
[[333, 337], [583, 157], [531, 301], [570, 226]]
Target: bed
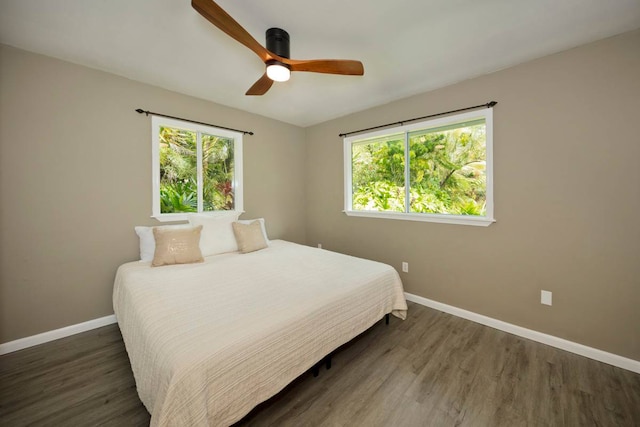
[[209, 341]]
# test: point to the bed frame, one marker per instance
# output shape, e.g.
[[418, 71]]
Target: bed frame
[[315, 370]]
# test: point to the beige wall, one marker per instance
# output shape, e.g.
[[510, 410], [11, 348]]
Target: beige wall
[[75, 167], [567, 199]]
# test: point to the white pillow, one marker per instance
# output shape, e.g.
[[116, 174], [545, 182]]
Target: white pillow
[[264, 230], [148, 242], [217, 233]]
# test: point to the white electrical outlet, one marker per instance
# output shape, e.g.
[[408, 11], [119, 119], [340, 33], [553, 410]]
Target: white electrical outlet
[[546, 297], [320, 245], [405, 267]]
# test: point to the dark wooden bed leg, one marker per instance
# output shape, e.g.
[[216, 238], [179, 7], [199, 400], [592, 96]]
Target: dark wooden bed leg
[[316, 369], [386, 319], [328, 362]]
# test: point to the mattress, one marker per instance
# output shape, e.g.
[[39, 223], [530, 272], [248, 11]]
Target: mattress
[[209, 341]]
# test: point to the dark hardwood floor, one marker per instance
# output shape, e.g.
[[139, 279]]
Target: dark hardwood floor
[[433, 369]]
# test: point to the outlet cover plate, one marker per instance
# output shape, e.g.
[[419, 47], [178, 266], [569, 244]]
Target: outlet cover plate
[[546, 297]]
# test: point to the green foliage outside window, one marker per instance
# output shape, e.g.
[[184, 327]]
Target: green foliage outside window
[[447, 171], [178, 171]]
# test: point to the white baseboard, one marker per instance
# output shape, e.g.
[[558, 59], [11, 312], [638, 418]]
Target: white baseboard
[[573, 347], [44, 337]]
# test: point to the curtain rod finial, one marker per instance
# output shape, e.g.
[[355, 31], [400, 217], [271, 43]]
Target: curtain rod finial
[[491, 104]]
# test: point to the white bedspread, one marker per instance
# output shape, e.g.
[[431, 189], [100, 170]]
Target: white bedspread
[[208, 342]]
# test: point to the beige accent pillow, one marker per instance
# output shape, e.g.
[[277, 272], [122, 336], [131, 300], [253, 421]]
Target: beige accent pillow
[[177, 246], [148, 243], [250, 237], [264, 230]]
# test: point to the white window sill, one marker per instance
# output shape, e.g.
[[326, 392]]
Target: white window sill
[[174, 217], [480, 221]]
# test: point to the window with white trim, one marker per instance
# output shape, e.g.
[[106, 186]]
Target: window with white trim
[[196, 169], [439, 170]]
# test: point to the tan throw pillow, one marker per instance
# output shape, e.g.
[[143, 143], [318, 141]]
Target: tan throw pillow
[[177, 246], [250, 237]]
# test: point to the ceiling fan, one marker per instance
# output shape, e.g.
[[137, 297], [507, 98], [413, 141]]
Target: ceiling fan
[[276, 54]]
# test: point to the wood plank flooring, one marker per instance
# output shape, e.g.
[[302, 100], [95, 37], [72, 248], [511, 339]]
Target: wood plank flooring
[[432, 369]]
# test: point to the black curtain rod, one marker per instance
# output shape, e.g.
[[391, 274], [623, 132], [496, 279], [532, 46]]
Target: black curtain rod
[[140, 110], [488, 105]]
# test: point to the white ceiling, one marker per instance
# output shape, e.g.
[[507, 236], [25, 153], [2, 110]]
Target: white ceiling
[[407, 46]]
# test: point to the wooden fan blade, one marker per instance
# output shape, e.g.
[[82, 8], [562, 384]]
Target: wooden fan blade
[[221, 19], [261, 86], [328, 66]]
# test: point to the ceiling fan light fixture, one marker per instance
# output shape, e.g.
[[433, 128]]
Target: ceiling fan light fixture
[[276, 54], [278, 72]]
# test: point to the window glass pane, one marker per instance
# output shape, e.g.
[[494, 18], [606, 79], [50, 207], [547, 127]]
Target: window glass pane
[[178, 170], [217, 173], [377, 167], [448, 169]]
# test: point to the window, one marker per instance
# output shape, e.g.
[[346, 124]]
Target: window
[[438, 171], [196, 168]]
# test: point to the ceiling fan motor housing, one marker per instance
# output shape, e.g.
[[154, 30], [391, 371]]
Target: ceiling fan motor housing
[[278, 42]]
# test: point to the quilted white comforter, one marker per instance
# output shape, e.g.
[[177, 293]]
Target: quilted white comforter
[[209, 341]]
